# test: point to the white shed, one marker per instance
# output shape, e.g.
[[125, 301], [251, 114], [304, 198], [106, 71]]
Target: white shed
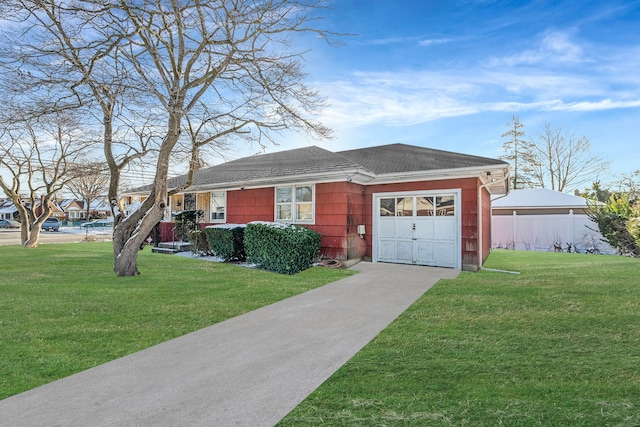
[[540, 219]]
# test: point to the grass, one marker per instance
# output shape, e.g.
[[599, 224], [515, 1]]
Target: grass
[[63, 310], [557, 345]]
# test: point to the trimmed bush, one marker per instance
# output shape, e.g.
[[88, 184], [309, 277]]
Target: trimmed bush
[[286, 249], [226, 241], [199, 244]]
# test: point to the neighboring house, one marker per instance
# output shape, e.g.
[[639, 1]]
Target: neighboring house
[[540, 219], [8, 210], [73, 210], [56, 210], [393, 203], [100, 207]]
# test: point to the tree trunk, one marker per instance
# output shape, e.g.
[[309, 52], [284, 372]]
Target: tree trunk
[[24, 232], [130, 233], [34, 236]]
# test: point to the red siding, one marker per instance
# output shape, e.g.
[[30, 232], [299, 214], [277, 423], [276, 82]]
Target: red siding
[[244, 206], [486, 224], [468, 203], [338, 213], [341, 206]]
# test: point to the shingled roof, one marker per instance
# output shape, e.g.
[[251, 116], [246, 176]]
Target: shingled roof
[[315, 161], [398, 158], [302, 161]]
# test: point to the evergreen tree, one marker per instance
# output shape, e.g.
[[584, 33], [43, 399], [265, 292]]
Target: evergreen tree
[[517, 151]]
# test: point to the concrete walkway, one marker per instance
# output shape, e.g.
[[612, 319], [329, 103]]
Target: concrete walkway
[[247, 371]]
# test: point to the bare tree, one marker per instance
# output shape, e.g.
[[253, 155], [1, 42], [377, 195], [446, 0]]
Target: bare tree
[[90, 184], [629, 183], [39, 156], [518, 152], [231, 58], [65, 52], [561, 161]]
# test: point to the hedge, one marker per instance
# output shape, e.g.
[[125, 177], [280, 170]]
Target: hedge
[[199, 244], [226, 241], [286, 249]]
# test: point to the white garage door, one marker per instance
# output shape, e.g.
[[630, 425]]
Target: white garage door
[[418, 229]]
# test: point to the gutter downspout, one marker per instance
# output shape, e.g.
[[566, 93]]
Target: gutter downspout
[[480, 215]]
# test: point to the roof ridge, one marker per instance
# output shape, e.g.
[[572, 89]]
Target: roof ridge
[[434, 150]]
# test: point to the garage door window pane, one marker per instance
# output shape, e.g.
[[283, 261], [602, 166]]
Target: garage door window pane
[[424, 206], [388, 207], [405, 206], [444, 206]]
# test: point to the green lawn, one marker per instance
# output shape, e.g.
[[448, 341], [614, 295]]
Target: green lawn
[[63, 310], [557, 345]]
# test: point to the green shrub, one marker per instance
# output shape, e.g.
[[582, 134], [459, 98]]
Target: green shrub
[[199, 244], [618, 222], [286, 249], [227, 241]]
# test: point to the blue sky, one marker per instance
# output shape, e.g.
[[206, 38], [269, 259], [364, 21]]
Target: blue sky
[[449, 74]]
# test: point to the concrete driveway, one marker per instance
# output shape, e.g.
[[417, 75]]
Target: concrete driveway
[[247, 371]]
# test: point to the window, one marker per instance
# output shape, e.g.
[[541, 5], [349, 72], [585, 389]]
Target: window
[[445, 206], [76, 215], [418, 206], [396, 206], [189, 203], [424, 206], [218, 206], [295, 203], [405, 206], [388, 207]]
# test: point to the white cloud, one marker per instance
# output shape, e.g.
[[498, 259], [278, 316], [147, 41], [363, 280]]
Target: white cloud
[[389, 40], [559, 46], [401, 40], [429, 42], [600, 105], [554, 47], [415, 97], [556, 75]]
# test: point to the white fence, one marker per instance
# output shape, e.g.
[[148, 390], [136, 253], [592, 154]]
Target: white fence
[[542, 232]]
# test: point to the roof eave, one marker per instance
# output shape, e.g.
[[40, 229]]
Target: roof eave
[[353, 175], [487, 174]]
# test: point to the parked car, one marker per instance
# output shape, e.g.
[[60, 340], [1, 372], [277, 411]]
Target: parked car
[[9, 223], [51, 224], [107, 222]]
